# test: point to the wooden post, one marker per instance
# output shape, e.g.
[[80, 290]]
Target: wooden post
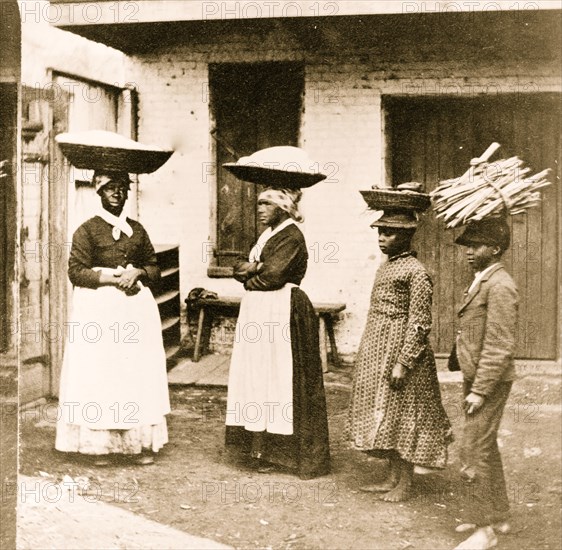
[[199, 337], [323, 347]]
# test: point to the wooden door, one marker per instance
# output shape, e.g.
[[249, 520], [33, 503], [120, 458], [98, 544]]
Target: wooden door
[[72, 198], [432, 139], [56, 198], [8, 178], [254, 106], [41, 252]]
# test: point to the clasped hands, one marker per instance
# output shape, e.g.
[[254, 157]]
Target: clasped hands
[[127, 281]]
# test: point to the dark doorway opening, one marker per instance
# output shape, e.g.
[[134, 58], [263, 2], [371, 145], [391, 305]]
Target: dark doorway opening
[[254, 106]]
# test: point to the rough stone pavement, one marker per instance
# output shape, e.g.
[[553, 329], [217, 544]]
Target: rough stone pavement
[[58, 517]]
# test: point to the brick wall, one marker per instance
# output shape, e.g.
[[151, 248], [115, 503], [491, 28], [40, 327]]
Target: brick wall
[[342, 129]]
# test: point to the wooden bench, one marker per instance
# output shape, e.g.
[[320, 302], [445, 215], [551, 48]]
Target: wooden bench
[[230, 306]]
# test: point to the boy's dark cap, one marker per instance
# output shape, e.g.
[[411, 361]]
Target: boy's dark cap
[[489, 231]]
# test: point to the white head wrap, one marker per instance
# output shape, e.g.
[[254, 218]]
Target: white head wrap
[[286, 199], [102, 178]]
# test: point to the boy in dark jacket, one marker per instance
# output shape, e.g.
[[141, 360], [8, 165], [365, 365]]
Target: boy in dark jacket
[[485, 347]]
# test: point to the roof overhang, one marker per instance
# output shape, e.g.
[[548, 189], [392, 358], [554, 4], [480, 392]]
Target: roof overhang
[[523, 34], [63, 13], [10, 41]]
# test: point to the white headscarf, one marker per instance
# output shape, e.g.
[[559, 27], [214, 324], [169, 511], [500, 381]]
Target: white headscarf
[[102, 178], [286, 199]]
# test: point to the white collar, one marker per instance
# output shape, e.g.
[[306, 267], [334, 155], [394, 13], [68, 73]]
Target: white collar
[[255, 253], [479, 275], [119, 223]]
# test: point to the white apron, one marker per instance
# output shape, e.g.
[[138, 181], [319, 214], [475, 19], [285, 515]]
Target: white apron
[[114, 368], [260, 382]]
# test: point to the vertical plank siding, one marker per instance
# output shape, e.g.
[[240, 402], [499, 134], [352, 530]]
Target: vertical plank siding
[[432, 139], [8, 178]]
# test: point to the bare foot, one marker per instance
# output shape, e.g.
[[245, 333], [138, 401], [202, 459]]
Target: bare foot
[[382, 487], [398, 494], [402, 491]]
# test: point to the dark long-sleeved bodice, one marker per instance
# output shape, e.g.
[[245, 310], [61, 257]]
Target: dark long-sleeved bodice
[[93, 245], [284, 258]]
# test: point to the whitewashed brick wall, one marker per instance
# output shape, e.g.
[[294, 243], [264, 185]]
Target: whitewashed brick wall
[[341, 129]]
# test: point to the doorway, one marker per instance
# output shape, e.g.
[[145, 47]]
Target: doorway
[[254, 106], [431, 139]]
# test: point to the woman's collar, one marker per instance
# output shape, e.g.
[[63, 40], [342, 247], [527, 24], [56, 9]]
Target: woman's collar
[[282, 225], [402, 255]]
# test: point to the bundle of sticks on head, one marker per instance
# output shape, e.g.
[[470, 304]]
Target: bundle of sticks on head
[[488, 189]]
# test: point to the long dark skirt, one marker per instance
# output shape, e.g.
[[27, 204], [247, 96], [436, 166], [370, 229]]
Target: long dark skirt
[[307, 450]]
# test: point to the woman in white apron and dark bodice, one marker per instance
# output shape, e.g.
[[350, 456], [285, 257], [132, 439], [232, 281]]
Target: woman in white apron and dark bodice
[[276, 408], [113, 391]]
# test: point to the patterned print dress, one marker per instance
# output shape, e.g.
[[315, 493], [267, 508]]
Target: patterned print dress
[[411, 421]]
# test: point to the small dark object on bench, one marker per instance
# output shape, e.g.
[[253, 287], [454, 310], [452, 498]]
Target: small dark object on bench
[[199, 293]]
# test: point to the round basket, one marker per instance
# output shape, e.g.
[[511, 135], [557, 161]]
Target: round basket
[[133, 161], [388, 199], [273, 178]]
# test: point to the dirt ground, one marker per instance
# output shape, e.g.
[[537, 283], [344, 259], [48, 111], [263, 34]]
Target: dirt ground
[[197, 487]]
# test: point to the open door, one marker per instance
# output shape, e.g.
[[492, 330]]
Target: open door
[[56, 199]]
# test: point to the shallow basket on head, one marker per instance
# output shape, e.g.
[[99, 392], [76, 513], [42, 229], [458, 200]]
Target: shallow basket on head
[[281, 166], [102, 150], [404, 197]]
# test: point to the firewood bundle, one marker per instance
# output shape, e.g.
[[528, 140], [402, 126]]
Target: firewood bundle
[[487, 189]]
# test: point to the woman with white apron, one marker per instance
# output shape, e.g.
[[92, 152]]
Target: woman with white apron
[[113, 390], [276, 409]]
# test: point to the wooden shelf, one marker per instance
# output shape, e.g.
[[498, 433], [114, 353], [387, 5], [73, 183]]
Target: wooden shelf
[[171, 352], [167, 296], [163, 298], [163, 248], [170, 271], [170, 322]]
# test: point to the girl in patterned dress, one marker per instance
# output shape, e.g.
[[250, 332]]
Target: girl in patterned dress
[[396, 410]]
